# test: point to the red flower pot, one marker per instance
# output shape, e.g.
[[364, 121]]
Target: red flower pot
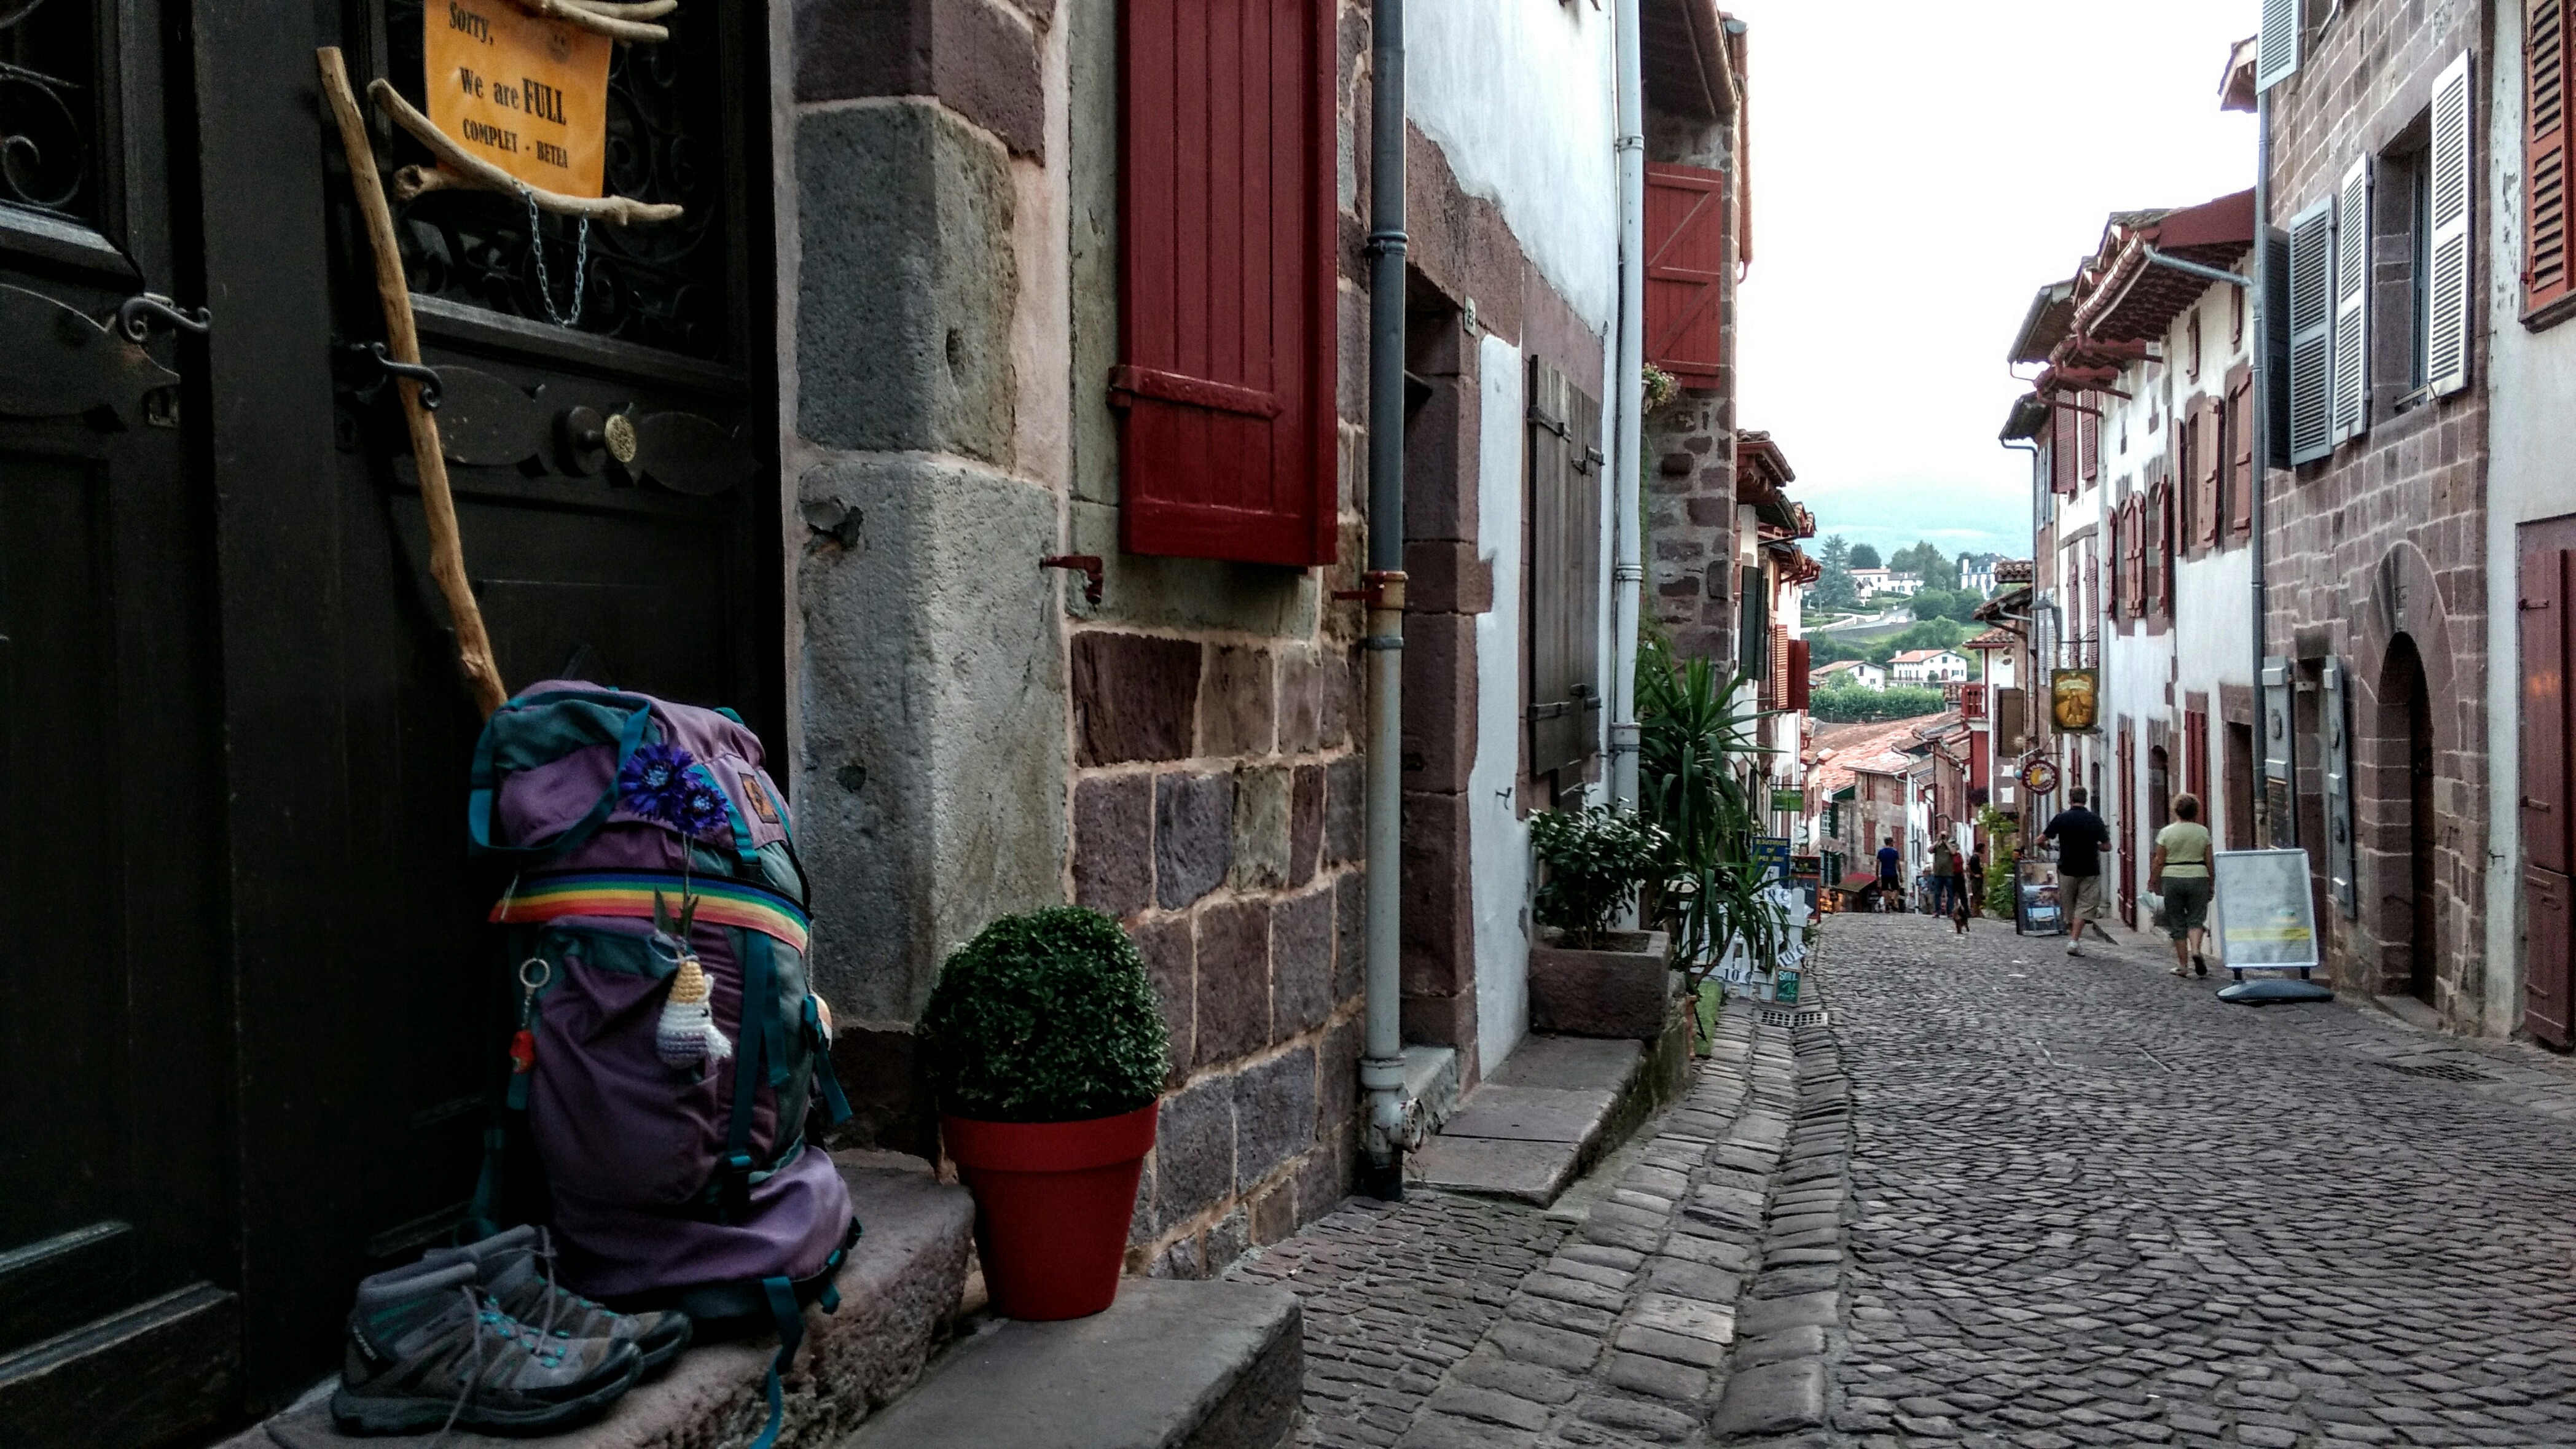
[[1052, 1204]]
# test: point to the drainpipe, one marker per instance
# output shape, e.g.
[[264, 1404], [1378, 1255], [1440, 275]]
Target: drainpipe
[[1394, 1124], [1628, 391], [2264, 382]]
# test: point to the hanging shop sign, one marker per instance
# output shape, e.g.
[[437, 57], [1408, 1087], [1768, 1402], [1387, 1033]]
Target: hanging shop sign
[[1788, 802], [525, 93], [2039, 777], [2074, 700]]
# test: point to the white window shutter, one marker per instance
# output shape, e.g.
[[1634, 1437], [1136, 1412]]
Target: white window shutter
[[2312, 273], [2278, 58], [2352, 304], [2446, 292]]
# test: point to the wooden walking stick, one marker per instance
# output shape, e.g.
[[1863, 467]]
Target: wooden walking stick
[[446, 548]]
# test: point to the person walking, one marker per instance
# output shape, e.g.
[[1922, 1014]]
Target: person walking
[[1975, 882], [2080, 836], [1891, 895], [1945, 876], [2179, 870]]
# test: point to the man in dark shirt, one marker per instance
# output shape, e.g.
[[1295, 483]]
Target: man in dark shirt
[[1890, 895], [2080, 836]]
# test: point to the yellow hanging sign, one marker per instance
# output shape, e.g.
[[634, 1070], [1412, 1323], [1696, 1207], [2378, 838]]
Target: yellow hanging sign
[[527, 94]]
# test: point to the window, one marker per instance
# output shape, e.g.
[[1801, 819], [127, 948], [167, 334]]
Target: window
[[2549, 204], [2191, 370], [2208, 467], [2238, 492], [1564, 548], [2235, 317], [1227, 330], [2088, 436], [2419, 271], [2187, 444]]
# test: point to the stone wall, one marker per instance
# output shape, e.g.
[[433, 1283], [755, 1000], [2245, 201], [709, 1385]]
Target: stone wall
[[2386, 538]]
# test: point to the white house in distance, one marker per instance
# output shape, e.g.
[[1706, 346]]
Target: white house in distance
[[1979, 577], [1844, 673], [1873, 583], [1929, 666]]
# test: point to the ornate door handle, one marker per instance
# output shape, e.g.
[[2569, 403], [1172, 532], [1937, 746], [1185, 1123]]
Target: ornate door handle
[[136, 316]]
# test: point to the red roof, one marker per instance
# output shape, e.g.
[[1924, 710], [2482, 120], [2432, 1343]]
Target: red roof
[[1995, 638]]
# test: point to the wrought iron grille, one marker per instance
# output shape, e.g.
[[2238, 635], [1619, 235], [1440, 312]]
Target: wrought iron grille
[[48, 105], [665, 286]]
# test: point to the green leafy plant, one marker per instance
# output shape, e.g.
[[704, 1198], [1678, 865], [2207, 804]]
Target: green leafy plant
[[1596, 860], [2000, 829], [1697, 742], [1859, 704], [1046, 1016]]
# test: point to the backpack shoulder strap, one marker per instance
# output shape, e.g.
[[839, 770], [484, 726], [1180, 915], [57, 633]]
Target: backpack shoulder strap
[[485, 789]]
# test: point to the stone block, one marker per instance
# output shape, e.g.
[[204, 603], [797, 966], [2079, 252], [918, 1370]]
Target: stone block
[[1193, 836], [1305, 824], [1170, 1365], [931, 732], [1135, 697], [1301, 702], [1171, 958], [1438, 917], [1533, 1172], [888, 1085], [1446, 577], [1227, 1239], [1338, 702], [1773, 1398], [908, 285], [1337, 1088], [1622, 992], [1113, 843], [1440, 1019], [1261, 807], [1274, 1214], [1194, 1150], [1274, 1114], [1301, 963], [1439, 701], [981, 57], [1345, 810], [1238, 701], [1233, 980], [1350, 935]]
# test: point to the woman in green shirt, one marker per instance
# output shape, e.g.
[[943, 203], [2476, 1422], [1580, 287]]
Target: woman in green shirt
[[2180, 870]]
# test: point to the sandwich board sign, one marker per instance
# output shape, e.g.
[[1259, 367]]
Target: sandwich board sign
[[2267, 920]]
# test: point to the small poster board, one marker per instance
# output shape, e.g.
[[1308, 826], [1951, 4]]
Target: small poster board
[[1771, 852], [528, 94], [2266, 913], [2036, 908]]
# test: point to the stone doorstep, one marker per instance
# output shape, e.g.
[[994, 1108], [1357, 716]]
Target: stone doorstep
[[1431, 1079], [900, 1285], [1551, 1110], [1173, 1364]]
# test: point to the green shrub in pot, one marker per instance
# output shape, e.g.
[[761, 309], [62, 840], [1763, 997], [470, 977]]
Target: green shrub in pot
[[1596, 859], [1047, 1016]]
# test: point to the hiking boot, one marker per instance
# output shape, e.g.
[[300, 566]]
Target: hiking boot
[[427, 1351], [517, 1271]]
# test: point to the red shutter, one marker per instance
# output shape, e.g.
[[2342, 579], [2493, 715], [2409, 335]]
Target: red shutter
[[2061, 448], [2548, 840], [2240, 451], [2547, 199], [1686, 271], [1800, 666], [2088, 437], [2209, 464], [1227, 244]]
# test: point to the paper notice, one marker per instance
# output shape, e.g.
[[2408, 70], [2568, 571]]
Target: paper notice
[[526, 94]]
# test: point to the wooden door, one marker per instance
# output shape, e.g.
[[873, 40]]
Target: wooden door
[[118, 1325], [1564, 586], [2547, 567], [2124, 825]]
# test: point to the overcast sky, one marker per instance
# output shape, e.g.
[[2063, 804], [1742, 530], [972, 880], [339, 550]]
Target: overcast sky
[[1918, 172]]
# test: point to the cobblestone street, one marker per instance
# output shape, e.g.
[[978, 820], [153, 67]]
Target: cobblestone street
[[2006, 1198]]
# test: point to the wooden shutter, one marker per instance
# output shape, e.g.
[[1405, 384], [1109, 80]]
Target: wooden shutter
[[2312, 238], [2549, 935], [2548, 837], [2240, 451], [2133, 557], [2352, 303], [1686, 270], [2547, 198], [1801, 676], [1227, 238], [2446, 292], [1564, 550], [2277, 56], [2195, 765], [2187, 445], [2208, 466], [2164, 551], [2062, 448], [2088, 437]]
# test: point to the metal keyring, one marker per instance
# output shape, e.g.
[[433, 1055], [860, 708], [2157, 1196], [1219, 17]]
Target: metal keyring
[[545, 973]]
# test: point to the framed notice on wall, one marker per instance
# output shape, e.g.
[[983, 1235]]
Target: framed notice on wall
[[2267, 916]]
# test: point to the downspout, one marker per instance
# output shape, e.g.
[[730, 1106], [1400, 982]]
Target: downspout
[[2264, 382], [1394, 1124], [1628, 391]]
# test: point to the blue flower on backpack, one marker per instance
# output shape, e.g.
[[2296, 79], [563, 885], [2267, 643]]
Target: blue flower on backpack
[[663, 783]]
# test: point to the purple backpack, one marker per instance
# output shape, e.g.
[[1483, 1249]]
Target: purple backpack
[[668, 1048]]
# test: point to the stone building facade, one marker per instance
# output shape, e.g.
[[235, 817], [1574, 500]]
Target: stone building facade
[[2376, 548]]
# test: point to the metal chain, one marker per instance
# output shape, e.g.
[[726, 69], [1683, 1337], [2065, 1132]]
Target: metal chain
[[580, 265]]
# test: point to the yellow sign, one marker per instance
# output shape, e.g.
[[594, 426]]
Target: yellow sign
[[2074, 703], [526, 94]]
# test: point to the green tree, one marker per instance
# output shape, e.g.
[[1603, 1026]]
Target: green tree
[[1925, 561], [1863, 557], [1833, 588], [1824, 649], [1853, 704]]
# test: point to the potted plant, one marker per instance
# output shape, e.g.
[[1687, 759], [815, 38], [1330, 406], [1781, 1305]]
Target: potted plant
[[1587, 978], [1045, 1046]]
